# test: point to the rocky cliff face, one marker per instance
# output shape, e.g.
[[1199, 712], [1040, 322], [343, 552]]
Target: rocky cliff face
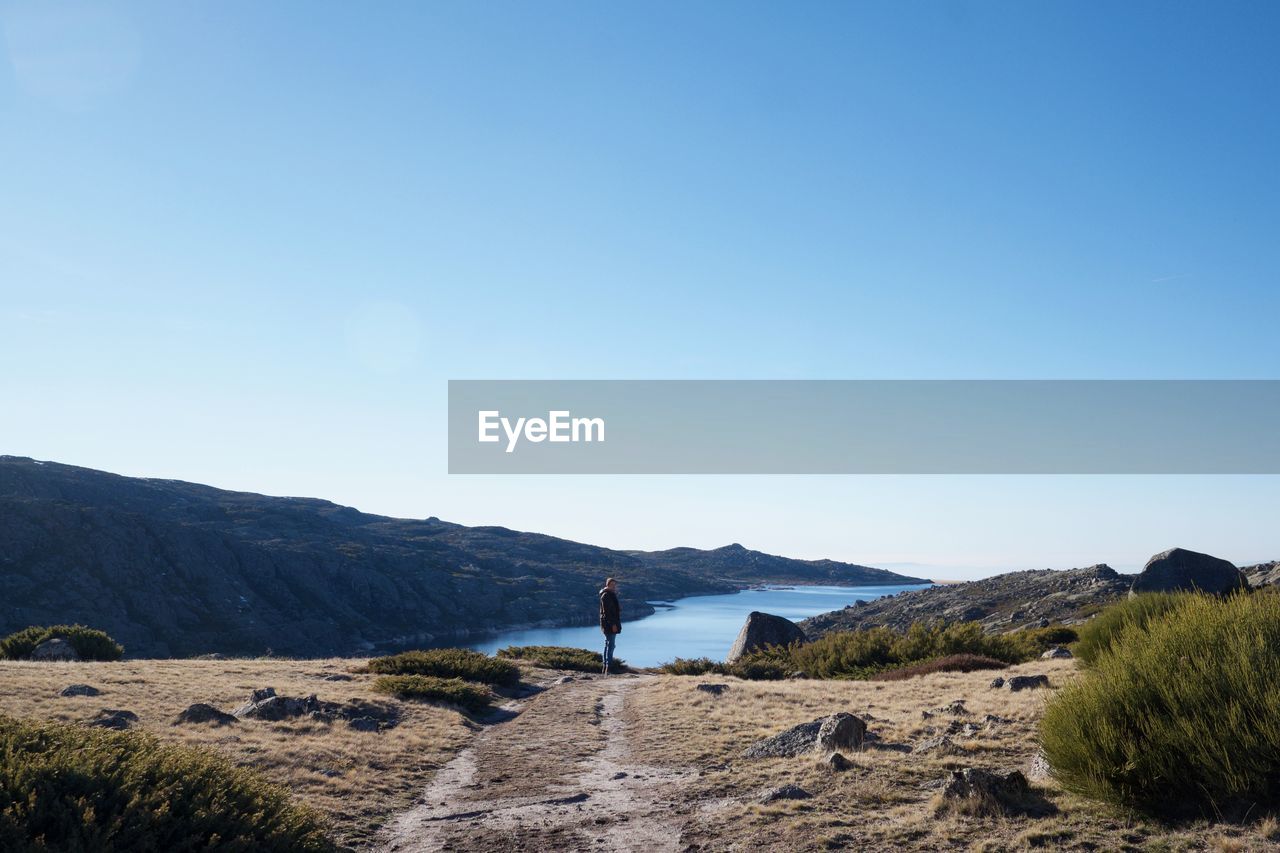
[[1001, 603], [173, 568]]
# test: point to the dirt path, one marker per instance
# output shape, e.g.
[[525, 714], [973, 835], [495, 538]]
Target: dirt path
[[557, 776]]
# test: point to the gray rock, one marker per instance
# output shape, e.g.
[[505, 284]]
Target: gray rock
[[997, 682], [764, 629], [973, 783], [1026, 682], [796, 740], [565, 679], [204, 713], [79, 690], [785, 792], [713, 689], [941, 745], [337, 676], [1039, 767], [837, 762], [364, 724], [842, 731], [1057, 652], [955, 708], [55, 648], [1181, 570], [109, 718]]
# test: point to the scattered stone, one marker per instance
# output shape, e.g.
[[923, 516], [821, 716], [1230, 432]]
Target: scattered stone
[[957, 728], [956, 708], [942, 745], [79, 690], [364, 724], [997, 682], [109, 718], [841, 731], [926, 715], [713, 689], [785, 792], [264, 704], [203, 712], [764, 629], [330, 773], [837, 762], [1026, 682], [984, 789], [337, 676], [992, 721], [54, 648], [1057, 652], [565, 679], [1179, 569]]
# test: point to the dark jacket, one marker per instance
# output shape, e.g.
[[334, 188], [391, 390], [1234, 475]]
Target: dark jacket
[[610, 612]]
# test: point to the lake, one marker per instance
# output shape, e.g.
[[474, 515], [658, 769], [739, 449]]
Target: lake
[[695, 627]]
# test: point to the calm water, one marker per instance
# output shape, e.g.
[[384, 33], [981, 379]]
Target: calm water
[[701, 626]]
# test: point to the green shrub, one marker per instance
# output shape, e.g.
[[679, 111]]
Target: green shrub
[[1181, 716], [1099, 633], [466, 664], [951, 663], [560, 657], [89, 643], [71, 788], [694, 666], [429, 688]]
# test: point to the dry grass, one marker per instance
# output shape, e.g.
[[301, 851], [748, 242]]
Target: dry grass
[[357, 778], [887, 801]]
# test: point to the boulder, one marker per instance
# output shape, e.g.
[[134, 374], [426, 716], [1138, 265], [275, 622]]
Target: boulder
[[1057, 652], [109, 718], [997, 682], [785, 792], [364, 724], [1026, 682], [337, 676], [204, 713], [1009, 791], [842, 731], [941, 745], [1181, 570], [54, 648], [837, 762], [764, 629], [713, 689], [79, 690]]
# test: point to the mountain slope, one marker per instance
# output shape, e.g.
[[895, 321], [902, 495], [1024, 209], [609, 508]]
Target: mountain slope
[[174, 568]]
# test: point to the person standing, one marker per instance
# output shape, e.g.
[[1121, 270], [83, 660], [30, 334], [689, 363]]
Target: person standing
[[610, 620]]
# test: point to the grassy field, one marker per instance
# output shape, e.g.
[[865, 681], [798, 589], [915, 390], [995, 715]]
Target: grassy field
[[356, 778], [888, 801]]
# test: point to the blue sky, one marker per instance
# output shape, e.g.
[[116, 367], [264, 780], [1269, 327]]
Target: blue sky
[[247, 244]]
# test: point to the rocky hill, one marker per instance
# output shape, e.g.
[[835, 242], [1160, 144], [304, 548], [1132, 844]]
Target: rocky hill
[[174, 568], [1001, 603]]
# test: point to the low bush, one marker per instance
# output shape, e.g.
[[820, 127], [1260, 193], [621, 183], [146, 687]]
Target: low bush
[[1180, 715], [951, 663], [89, 643], [1099, 633], [429, 688], [694, 666], [466, 664], [560, 657], [70, 788]]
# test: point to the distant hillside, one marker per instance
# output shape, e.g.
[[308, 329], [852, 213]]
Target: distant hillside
[[1001, 603], [174, 568]]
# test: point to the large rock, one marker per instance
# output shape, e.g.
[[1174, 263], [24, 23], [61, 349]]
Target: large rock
[[1008, 792], [785, 792], [764, 629], [79, 690], [1026, 682], [1181, 570], [204, 713], [54, 648], [842, 731], [110, 718]]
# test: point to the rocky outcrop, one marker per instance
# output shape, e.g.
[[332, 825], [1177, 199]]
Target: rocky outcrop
[[761, 630], [1180, 570], [1017, 683], [837, 731], [265, 704], [979, 792], [203, 713], [79, 690], [783, 792], [1001, 603], [172, 569], [1057, 653], [110, 718], [55, 648], [840, 732]]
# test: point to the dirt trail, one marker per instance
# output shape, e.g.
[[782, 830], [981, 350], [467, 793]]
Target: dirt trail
[[557, 776]]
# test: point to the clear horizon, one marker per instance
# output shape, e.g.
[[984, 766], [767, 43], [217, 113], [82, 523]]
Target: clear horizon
[[247, 246]]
